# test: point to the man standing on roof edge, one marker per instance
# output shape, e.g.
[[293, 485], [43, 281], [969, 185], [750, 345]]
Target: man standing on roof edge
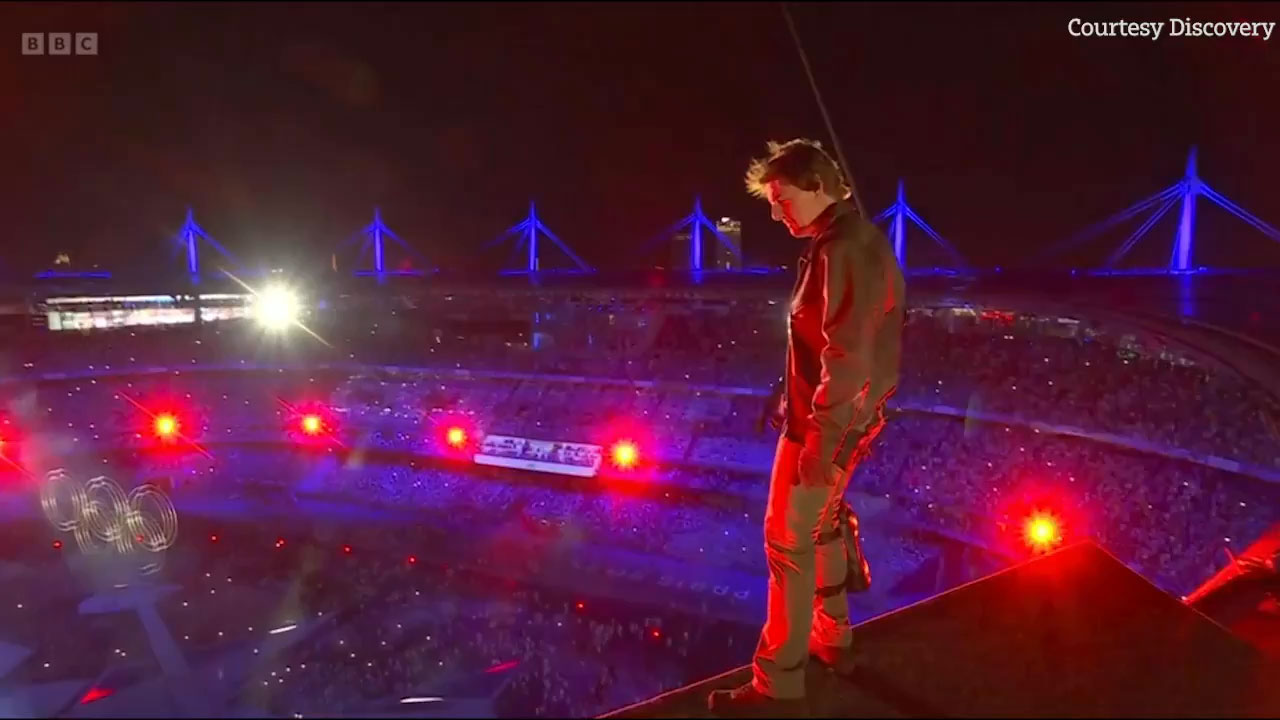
[[843, 352]]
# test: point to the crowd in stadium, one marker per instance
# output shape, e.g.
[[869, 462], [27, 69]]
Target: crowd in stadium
[[944, 471], [367, 628], [1168, 519], [374, 628], [697, 385], [1093, 381]]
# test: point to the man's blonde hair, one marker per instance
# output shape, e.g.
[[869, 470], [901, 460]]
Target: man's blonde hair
[[800, 162]]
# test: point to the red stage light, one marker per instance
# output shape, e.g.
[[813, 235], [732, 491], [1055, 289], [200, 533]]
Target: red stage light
[[657, 634], [57, 544], [456, 437], [625, 454], [346, 549], [1042, 531], [213, 538], [1040, 517], [166, 426], [580, 606], [279, 542], [309, 423], [456, 434], [413, 559], [312, 424]]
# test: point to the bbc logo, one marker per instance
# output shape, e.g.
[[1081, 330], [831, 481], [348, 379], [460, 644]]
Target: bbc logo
[[60, 44]]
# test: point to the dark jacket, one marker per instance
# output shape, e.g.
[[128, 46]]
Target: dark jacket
[[844, 334]]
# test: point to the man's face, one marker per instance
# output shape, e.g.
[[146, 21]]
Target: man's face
[[795, 208]]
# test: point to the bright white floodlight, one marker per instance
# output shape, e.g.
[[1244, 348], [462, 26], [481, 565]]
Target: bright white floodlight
[[277, 307]]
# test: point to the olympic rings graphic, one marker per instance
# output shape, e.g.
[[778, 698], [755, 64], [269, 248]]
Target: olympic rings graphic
[[100, 515]]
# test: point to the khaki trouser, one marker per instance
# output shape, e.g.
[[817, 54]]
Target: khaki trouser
[[806, 577]]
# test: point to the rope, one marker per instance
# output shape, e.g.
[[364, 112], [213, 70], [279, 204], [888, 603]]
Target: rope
[[826, 117]]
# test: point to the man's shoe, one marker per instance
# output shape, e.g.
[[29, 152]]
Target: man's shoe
[[838, 659], [747, 702]]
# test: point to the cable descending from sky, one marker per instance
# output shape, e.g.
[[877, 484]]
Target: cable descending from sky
[[835, 139]]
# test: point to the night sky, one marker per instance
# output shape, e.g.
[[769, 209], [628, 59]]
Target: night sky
[[284, 125]]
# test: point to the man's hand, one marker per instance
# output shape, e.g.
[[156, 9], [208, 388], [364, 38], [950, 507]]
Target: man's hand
[[771, 414]]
